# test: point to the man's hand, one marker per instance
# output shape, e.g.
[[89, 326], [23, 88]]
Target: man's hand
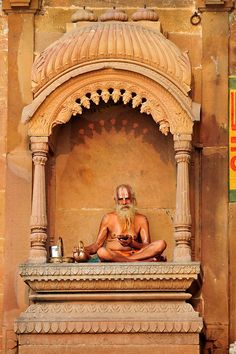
[[125, 240]]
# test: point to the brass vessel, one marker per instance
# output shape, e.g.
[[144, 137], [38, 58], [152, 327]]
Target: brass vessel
[[80, 255]]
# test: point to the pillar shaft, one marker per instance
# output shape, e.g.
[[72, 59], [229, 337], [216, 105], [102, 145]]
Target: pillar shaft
[[182, 221], [38, 222]]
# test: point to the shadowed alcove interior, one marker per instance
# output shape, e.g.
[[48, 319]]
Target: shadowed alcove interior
[[108, 145]]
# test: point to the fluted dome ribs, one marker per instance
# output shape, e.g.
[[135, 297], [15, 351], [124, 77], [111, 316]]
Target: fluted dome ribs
[[112, 41]]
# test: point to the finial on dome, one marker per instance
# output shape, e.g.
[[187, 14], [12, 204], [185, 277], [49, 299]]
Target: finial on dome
[[83, 15], [145, 14], [114, 14]]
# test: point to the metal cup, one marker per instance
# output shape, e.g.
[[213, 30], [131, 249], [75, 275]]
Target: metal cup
[[55, 251]]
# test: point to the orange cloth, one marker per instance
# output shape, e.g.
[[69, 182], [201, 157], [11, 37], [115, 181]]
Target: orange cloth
[[157, 258], [127, 253]]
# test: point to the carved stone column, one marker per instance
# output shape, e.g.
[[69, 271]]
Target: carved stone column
[[182, 221], [38, 223]]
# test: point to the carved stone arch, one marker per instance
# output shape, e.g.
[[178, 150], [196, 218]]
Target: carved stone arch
[[72, 73], [75, 95]]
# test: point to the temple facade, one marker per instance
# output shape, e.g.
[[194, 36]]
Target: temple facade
[[92, 95]]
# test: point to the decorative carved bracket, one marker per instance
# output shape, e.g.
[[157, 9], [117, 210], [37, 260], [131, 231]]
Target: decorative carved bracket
[[215, 5], [105, 277], [27, 6]]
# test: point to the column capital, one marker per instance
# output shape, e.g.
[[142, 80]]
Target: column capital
[[182, 143], [39, 145]]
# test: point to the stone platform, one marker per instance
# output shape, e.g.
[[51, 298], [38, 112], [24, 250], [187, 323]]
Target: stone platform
[[109, 307]]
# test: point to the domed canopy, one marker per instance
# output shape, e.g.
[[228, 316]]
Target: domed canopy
[[107, 42]]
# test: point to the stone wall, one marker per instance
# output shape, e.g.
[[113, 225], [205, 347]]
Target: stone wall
[[3, 129], [207, 45], [232, 206]]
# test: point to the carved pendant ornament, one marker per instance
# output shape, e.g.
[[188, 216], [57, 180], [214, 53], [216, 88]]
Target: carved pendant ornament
[[71, 98], [74, 107]]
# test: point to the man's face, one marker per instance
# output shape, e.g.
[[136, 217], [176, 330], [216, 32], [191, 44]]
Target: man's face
[[124, 196]]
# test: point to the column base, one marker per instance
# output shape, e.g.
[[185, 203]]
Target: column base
[[37, 256], [182, 254]]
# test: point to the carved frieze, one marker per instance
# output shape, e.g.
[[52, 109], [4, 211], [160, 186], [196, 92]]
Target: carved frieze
[[109, 277], [85, 309], [75, 96], [107, 317], [38, 327]]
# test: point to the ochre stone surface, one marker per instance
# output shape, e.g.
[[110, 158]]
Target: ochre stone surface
[[78, 167], [214, 122], [3, 126], [214, 137], [214, 252]]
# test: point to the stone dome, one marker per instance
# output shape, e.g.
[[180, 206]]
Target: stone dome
[[111, 41]]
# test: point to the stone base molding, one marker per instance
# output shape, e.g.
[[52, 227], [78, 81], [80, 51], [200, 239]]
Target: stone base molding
[[75, 307]]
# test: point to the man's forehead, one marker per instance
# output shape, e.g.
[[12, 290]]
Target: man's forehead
[[123, 192]]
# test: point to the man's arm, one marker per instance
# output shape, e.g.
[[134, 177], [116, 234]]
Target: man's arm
[[101, 237], [144, 230]]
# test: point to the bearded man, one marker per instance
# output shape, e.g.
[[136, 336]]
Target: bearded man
[[124, 233]]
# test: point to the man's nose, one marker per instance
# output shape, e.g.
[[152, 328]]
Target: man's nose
[[124, 201]]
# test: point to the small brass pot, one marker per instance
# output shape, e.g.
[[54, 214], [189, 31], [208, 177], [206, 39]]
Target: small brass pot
[[80, 255]]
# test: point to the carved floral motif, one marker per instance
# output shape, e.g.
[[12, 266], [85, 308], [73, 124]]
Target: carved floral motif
[[181, 271], [157, 102], [39, 310], [186, 326]]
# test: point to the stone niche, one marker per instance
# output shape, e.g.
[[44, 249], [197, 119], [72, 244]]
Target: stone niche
[[110, 307], [95, 153]]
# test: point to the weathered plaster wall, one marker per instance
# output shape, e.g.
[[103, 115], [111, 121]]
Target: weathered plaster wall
[[232, 206], [3, 128], [18, 169], [210, 71], [24, 42], [214, 137]]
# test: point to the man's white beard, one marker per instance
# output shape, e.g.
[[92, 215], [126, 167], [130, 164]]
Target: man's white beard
[[125, 215]]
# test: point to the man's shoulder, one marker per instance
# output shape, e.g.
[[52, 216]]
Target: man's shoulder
[[140, 217], [138, 214], [109, 215]]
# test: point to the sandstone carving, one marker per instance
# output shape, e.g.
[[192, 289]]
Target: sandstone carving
[[112, 41], [145, 14], [114, 15], [149, 98], [83, 15], [160, 313]]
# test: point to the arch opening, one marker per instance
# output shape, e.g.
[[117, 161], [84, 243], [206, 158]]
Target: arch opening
[[69, 89]]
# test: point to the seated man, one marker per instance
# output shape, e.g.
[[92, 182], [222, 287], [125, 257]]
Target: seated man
[[124, 233]]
